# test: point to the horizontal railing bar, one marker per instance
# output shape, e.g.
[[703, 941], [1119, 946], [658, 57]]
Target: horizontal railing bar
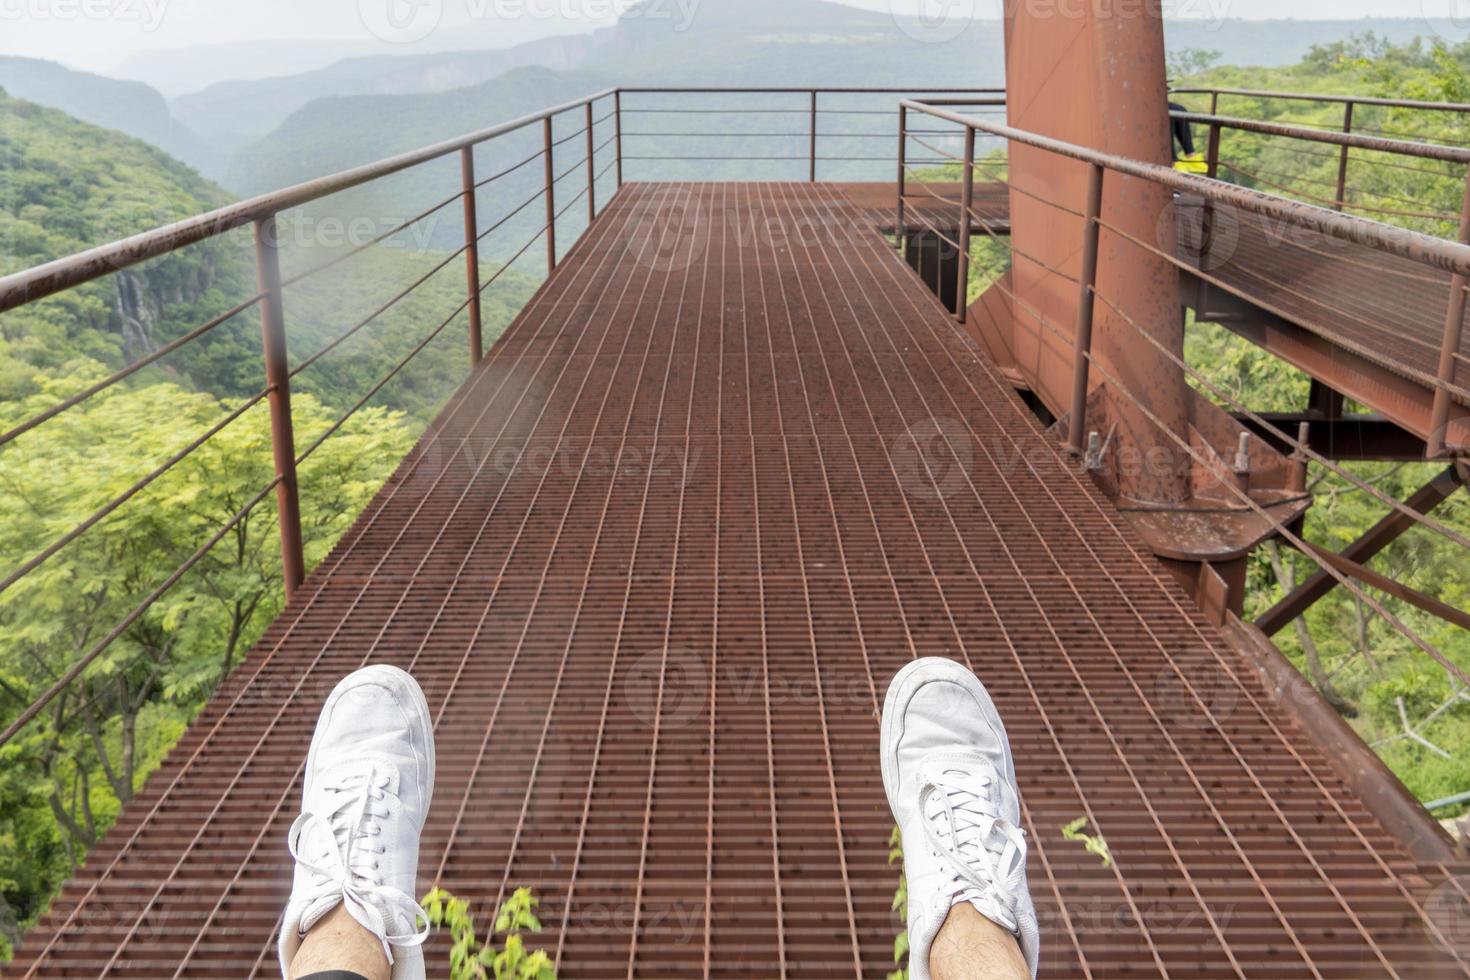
[[820, 90], [101, 514], [138, 365], [397, 298], [53, 277], [39, 705], [1426, 151], [1417, 246], [1339, 99]]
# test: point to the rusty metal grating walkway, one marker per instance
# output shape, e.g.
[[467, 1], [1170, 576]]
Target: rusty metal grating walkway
[[654, 567]]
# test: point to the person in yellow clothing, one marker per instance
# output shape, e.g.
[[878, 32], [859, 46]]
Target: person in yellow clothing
[[1186, 159]]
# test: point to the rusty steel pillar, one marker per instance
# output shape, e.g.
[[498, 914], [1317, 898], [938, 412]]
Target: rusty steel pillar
[[1094, 74]]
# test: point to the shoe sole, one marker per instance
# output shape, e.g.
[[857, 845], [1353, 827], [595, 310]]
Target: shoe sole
[[908, 682], [418, 703]]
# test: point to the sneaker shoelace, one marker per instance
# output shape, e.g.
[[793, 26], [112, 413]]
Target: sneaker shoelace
[[347, 871], [963, 823]]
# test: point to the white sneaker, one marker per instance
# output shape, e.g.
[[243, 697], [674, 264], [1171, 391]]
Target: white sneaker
[[952, 786], [369, 779]]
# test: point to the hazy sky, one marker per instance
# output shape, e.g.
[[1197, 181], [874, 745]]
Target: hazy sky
[[98, 34]]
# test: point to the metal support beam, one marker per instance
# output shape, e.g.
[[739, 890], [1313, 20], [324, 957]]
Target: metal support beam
[[618, 131], [967, 205], [278, 377], [1454, 330], [472, 252], [1342, 163], [1086, 301], [550, 153], [812, 174], [591, 170], [1367, 576], [1379, 537], [903, 169], [1354, 438]]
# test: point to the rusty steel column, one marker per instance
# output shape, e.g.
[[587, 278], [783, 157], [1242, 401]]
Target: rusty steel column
[[278, 377], [472, 252], [1454, 331], [1342, 163], [1096, 77], [550, 154], [967, 204]]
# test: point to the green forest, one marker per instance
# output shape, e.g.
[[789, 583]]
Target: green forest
[[66, 185], [1373, 674]]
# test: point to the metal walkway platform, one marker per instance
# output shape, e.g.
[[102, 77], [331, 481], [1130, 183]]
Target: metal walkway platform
[[654, 568]]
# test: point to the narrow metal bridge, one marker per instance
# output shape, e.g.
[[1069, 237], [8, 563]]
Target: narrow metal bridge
[[654, 564]]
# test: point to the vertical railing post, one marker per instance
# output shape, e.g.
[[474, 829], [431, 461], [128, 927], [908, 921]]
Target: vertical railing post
[[1207, 217], [967, 203], [591, 170], [550, 195], [903, 142], [618, 131], [472, 251], [1086, 300], [278, 379], [1214, 103], [812, 173], [1342, 163], [1454, 332]]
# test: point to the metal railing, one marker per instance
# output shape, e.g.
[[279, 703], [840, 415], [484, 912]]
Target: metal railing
[[260, 214], [601, 152], [1438, 253], [804, 141]]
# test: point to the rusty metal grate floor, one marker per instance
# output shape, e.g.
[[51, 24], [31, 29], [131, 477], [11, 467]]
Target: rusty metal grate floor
[[654, 568]]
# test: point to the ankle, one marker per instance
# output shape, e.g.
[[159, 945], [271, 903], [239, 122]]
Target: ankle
[[339, 944], [970, 945]]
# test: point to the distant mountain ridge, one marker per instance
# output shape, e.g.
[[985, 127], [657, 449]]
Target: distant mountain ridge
[[232, 114], [128, 107]]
